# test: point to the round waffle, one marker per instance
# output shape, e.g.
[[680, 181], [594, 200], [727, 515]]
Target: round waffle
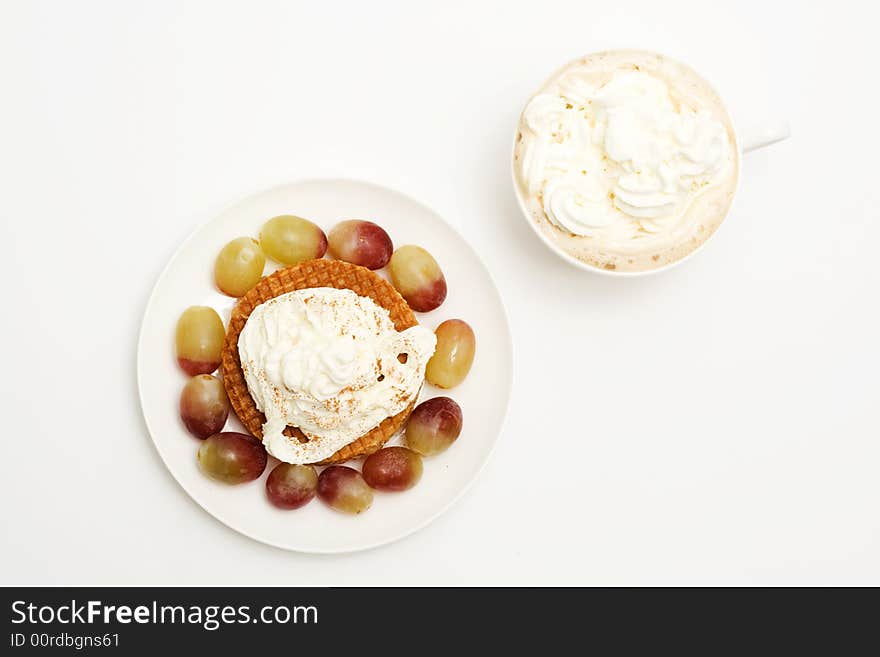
[[313, 273]]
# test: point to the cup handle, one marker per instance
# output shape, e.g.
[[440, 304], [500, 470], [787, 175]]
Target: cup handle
[[759, 135]]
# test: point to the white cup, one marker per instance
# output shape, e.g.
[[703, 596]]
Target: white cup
[[748, 139]]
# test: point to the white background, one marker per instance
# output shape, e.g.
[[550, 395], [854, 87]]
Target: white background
[[713, 424]]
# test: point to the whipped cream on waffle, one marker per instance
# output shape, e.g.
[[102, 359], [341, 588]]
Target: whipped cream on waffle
[[327, 361]]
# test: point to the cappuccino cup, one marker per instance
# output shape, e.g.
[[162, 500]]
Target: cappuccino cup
[[626, 162]]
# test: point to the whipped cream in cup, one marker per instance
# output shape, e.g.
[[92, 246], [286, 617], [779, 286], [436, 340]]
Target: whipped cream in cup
[[325, 360], [626, 162]]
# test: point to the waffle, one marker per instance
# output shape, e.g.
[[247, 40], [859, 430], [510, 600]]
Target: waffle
[[313, 273]]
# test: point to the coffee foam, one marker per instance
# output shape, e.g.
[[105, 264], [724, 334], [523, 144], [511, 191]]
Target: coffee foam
[[705, 209]]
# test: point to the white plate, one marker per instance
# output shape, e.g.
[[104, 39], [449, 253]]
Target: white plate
[[483, 396]]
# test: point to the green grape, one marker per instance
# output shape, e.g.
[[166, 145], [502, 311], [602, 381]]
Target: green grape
[[239, 266], [290, 240], [199, 337]]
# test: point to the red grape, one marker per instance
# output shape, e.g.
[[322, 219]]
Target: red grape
[[433, 426], [361, 243], [344, 489], [204, 406], [393, 469], [232, 458], [291, 486], [418, 278]]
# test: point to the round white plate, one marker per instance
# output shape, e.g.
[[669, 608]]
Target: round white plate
[[483, 396]]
